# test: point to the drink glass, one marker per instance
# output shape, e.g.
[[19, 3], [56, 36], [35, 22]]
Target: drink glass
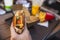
[[8, 4]]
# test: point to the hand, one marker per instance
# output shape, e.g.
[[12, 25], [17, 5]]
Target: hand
[[24, 36]]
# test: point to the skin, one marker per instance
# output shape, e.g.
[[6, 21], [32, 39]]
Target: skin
[[24, 36]]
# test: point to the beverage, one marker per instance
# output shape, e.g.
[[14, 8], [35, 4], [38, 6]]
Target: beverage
[[8, 4], [35, 7], [35, 10], [36, 4]]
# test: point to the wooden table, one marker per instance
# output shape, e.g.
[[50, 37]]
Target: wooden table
[[4, 27], [4, 17]]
